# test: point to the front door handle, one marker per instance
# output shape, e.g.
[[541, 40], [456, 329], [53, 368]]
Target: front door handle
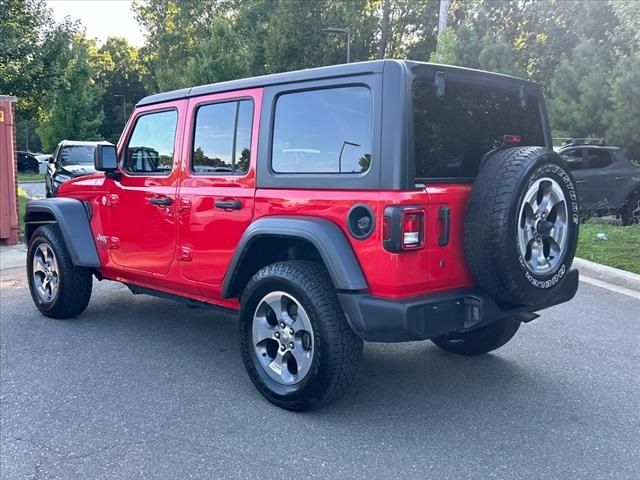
[[228, 204], [161, 201]]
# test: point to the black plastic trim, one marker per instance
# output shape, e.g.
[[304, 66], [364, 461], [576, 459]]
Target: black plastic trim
[[355, 234], [73, 220], [330, 241], [190, 302], [444, 213], [418, 318]]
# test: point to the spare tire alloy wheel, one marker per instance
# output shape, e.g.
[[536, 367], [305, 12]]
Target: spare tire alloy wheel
[[283, 338], [542, 232], [521, 225]]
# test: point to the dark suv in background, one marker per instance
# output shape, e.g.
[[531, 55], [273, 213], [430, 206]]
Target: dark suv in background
[[608, 182], [27, 163], [71, 159]]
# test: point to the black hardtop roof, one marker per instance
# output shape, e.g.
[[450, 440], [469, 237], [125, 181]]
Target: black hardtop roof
[[320, 73]]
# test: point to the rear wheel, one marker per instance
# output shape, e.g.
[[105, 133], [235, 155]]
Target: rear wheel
[[296, 344], [630, 214], [59, 289], [480, 340]]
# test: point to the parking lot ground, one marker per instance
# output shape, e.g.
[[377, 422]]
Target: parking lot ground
[[139, 387], [34, 189]]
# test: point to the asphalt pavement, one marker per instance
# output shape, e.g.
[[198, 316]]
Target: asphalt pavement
[[143, 388]]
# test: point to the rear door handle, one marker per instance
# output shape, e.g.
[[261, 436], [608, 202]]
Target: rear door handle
[[581, 181], [445, 215], [228, 204], [161, 201]]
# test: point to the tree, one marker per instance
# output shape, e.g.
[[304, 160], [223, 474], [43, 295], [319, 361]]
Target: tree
[[20, 55], [579, 94], [74, 111], [624, 116], [119, 73], [222, 56]]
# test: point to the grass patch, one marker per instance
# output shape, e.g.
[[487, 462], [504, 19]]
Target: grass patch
[[22, 205], [621, 249], [30, 177]]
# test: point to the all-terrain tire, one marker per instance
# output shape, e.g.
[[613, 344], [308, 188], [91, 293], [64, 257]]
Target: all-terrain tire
[[336, 349], [74, 284], [493, 217], [630, 212], [480, 340]]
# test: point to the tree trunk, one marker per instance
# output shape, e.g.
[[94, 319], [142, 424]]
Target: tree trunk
[[443, 16], [385, 30]]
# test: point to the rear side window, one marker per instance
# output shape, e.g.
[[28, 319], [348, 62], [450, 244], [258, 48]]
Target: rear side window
[[598, 158], [150, 148], [323, 131], [222, 138], [454, 132]]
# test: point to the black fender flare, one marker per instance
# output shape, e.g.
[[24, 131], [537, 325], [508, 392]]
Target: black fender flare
[[330, 241], [72, 217]]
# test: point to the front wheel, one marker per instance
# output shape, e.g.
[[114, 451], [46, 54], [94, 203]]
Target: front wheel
[[59, 289], [479, 340], [296, 344]]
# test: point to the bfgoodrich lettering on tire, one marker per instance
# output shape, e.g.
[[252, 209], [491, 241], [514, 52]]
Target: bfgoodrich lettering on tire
[[521, 225], [295, 341]]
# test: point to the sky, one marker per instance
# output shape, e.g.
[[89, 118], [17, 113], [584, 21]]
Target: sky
[[101, 18]]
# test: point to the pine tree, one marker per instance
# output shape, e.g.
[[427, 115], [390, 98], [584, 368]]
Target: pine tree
[[579, 96], [624, 116]]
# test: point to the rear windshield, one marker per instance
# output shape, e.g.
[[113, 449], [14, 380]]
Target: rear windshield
[[453, 132], [77, 155]]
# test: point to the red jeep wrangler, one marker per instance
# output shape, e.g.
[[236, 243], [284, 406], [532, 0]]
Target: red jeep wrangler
[[384, 201]]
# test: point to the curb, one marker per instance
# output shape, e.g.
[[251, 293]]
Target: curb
[[614, 276]]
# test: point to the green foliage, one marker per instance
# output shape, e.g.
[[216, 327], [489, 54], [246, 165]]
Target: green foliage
[[222, 56], [74, 111], [624, 116], [21, 61], [119, 72], [580, 94], [584, 54]]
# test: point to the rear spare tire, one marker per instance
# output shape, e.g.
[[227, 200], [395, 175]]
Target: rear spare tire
[[521, 225]]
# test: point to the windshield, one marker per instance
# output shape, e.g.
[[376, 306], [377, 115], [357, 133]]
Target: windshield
[[454, 132], [77, 155]]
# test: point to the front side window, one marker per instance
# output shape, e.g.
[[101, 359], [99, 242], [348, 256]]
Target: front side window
[[150, 148], [574, 159], [323, 131], [76, 155], [454, 132], [222, 138]]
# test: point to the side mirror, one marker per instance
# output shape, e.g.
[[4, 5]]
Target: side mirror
[[105, 158], [51, 159]]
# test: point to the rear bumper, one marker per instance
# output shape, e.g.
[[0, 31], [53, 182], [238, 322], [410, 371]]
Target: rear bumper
[[383, 320]]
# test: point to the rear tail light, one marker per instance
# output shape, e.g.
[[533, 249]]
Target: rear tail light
[[511, 139], [403, 228], [412, 229]]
